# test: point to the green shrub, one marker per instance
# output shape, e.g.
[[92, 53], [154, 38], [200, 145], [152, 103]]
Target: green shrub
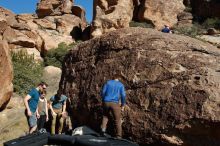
[[191, 31], [188, 9], [211, 22], [27, 72], [140, 24], [54, 57]]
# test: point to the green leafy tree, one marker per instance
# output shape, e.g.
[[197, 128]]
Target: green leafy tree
[[27, 71], [54, 57]]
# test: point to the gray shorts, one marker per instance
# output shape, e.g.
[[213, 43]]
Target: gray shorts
[[32, 120]]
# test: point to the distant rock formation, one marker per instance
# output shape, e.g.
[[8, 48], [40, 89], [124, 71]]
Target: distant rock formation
[[111, 15], [160, 12], [206, 8], [44, 31], [54, 7], [172, 84], [6, 76]]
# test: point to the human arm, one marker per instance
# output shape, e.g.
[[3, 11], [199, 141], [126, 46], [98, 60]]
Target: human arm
[[104, 90], [123, 95], [26, 98], [51, 107], [37, 113], [64, 107], [46, 108]]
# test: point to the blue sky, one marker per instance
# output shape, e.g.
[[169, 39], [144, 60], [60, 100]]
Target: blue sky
[[29, 6]]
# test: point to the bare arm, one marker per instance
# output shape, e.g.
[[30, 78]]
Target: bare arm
[[51, 108], [64, 107], [37, 113], [26, 98], [46, 108]]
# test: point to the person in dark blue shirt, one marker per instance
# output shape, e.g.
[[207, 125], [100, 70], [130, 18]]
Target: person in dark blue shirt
[[113, 98], [31, 104], [166, 29]]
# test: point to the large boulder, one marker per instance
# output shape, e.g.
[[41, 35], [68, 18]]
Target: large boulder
[[160, 12], [6, 75], [54, 7], [172, 84], [51, 75], [111, 15]]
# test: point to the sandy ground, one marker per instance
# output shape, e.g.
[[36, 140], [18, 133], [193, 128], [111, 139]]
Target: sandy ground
[[13, 123]]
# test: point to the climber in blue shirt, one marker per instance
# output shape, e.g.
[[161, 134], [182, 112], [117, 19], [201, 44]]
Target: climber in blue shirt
[[166, 29], [113, 97]]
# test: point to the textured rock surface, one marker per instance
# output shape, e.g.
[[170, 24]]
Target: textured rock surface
[[6, 75], [206, 8], [172, 85], [51, 75], [111, 15], [160, 12], [184, 19], [30, 31], [54, 7]]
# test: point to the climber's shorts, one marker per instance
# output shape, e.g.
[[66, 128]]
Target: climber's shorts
[[32, 120]]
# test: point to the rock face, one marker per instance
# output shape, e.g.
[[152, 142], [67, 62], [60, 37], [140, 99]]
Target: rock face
[[184, 19], [53, 7], [110, 15], [160, 12], [39, 34], [206, 8], [6, 75], [172, 84]]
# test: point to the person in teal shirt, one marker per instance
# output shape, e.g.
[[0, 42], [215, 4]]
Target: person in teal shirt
[[58, 110], [31, 104]]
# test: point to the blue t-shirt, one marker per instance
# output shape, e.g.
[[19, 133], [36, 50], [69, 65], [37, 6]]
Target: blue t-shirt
[[33, 101], [57, 104], [166, 30], [112, 91]]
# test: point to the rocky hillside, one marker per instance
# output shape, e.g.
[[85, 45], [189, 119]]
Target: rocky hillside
[[172, 84], [55, 22], [111, 15]]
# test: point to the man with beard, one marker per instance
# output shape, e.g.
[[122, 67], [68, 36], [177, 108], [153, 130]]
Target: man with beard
[[31, 104]]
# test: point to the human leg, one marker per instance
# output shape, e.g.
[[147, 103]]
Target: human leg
[[61, 119], [41, 121], [53, 125], [116, 110], [105, 117], [32, 120]]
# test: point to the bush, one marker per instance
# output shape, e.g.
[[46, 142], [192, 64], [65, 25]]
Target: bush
[[211, 22], [54, 57], [191, 31], [27, 72], [141, 24]]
